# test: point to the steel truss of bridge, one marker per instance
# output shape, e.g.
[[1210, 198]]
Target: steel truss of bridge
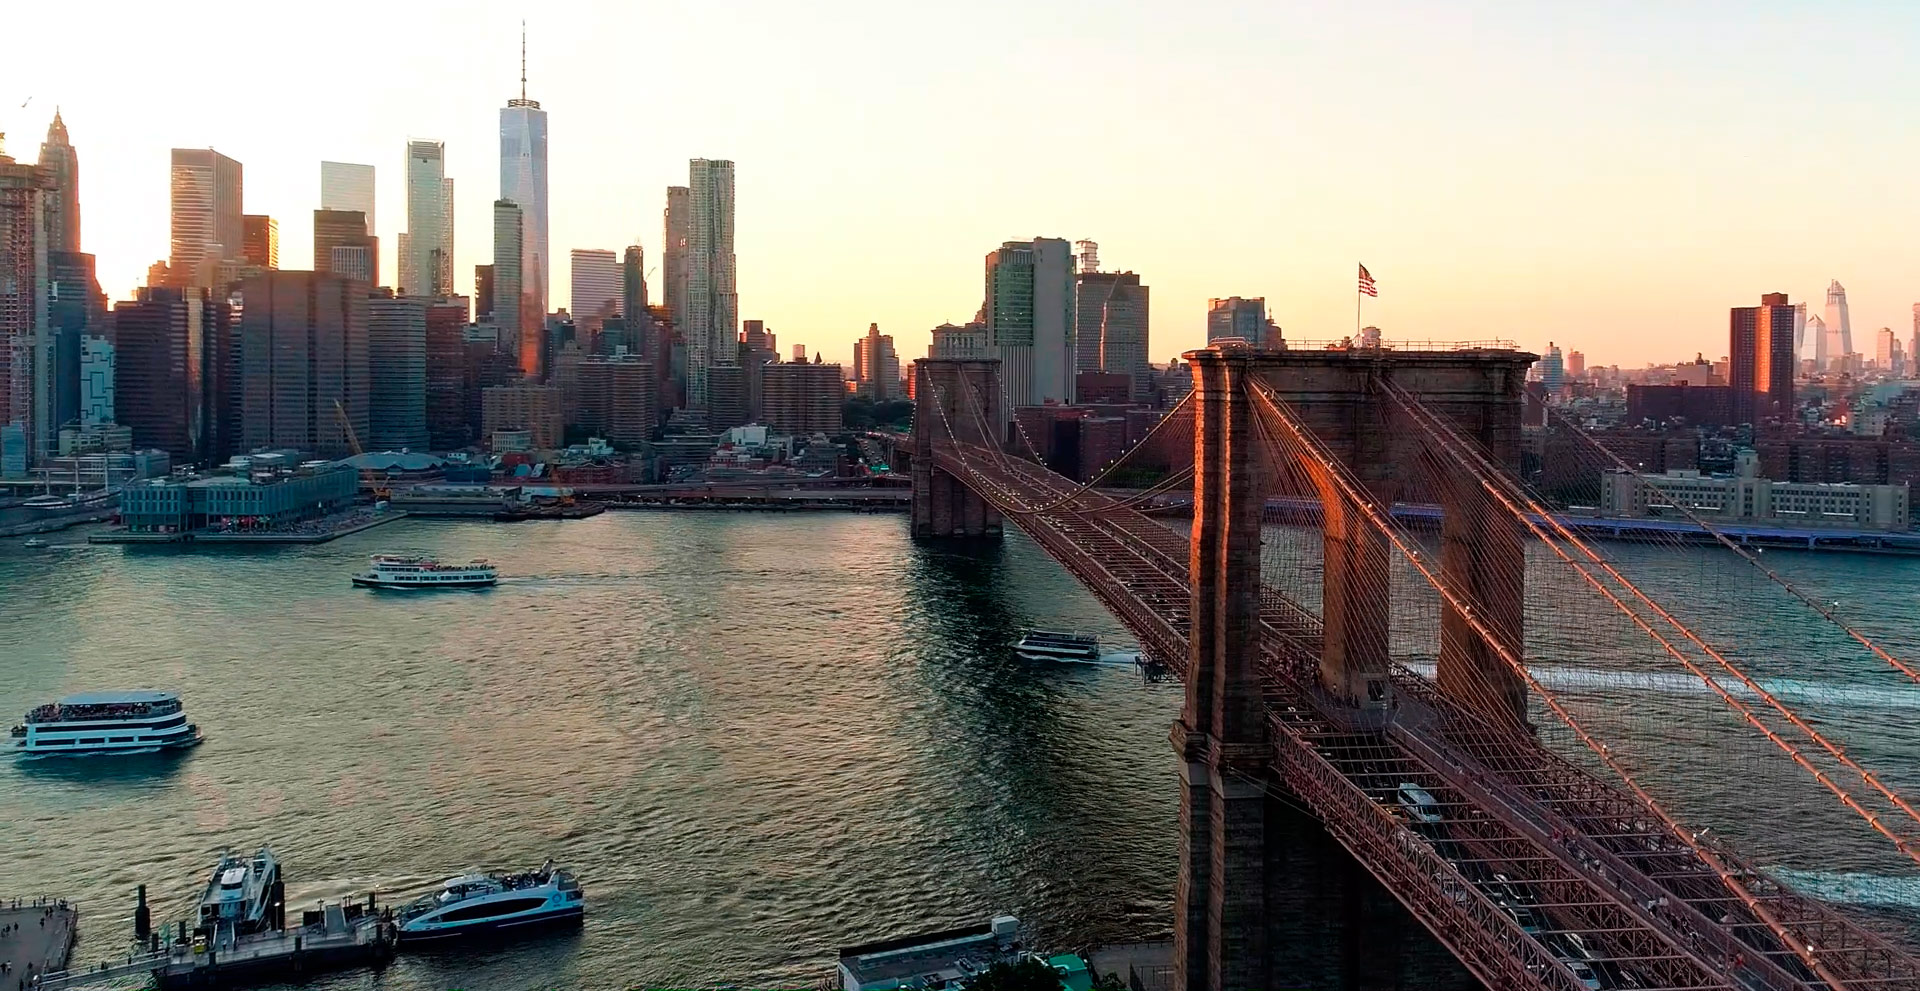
[[1534, 872]]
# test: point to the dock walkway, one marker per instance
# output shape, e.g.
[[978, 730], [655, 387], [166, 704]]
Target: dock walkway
[[38, 938]]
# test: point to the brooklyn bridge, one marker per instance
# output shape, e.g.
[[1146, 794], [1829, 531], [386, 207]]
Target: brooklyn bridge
[[1389, 675]]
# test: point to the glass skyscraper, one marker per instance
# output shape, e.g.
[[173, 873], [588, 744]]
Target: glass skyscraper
[[712, 326], [523, 180], [426, 218]]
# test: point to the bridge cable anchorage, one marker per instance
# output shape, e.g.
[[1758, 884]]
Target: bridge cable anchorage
[[1271, 405], [1720, 537], [1504, 490]]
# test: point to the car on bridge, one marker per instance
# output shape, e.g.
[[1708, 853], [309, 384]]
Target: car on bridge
[[1418, 804]]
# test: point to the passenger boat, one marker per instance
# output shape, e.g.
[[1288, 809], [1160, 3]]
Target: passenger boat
[[34, 542], [474, 903], [1052, 645], [392, 571], [106, 723], [243, 896]]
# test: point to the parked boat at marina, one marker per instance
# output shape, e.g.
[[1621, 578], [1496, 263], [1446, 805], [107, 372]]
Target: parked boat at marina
[[90, 723], [244, 896], [394, 571], [488, 902]]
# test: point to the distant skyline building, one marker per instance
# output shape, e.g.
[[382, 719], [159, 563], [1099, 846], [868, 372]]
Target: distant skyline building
[[876, 366], [26, 341], [1760, 358], [444, 269], [303, 349], [426, 219], [162, 364], [519, 329], [1237, 317], [1839, 337], [1030, 320], [633, 286], [677, 220], [956, 341], [207, 229], [346, 186], [1888, 355], [596, 290], [396, 373], [260, 240], [334, 229], [1111, 325], [802, 398], [97, 357], [60, 165], [523, 180], [712, 326]]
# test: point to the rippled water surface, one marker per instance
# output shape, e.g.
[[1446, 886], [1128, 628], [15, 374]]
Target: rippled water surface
[[756, 738], [761, 737]]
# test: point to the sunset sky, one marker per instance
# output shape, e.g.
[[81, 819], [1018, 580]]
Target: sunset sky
[[1608, 176]]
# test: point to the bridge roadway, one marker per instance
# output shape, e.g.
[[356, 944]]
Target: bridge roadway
[[1537, 874]]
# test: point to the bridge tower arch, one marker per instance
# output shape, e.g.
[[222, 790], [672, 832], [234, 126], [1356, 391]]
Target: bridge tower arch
[[1220, 933]]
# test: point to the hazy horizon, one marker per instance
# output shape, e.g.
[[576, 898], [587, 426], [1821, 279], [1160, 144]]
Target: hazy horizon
[[1611, 179]]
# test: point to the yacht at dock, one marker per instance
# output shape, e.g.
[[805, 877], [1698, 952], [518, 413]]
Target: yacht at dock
[[474, 903], [92, 723]]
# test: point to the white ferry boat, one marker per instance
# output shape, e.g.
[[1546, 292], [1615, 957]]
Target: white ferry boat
[[243, 896], [474, 903], [1053, 645], [392, 571], [106, 723]]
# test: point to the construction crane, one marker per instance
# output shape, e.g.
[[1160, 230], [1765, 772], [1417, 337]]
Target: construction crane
[[367, 477]]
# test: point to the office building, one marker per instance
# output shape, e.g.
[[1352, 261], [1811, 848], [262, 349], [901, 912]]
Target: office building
[[1837, 343], [259, 241], [448, 426], [1030, 320], [97, 370], [304, 362], [347, 187], [728, 404], [444, 269], [207, 228], [616, 398], [523, 180], [802, 399], [633, 297], [1760, 359], [955, 341], [351, 262], [335, 231], [26, 337], [712, 324], [1235, 317], [678, 219], [595, 278], [1111, 326], [166, 362], [396, 373], [483, 293], [876, 366], [1746, 498], [60, 170], [535, 409], [1887, 353], [519, 324], [421, 252], [75, 308]]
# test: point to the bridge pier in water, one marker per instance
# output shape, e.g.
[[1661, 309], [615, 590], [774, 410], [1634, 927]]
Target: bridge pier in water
[[946, 393]]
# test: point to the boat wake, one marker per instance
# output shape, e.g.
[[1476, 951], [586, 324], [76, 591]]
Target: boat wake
[[1668, 683]]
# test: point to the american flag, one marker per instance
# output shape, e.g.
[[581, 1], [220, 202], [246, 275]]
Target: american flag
[[1366, 282]]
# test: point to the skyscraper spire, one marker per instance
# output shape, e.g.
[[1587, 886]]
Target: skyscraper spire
[[523, 61]]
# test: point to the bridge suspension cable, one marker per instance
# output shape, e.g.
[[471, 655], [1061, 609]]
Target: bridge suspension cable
[[1553, 534], [1302, 444], [1720, 537]]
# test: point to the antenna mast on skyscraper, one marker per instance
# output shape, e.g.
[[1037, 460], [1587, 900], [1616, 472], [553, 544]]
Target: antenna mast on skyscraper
[[523, 59]]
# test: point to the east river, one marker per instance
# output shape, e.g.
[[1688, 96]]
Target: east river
[[756, 738]]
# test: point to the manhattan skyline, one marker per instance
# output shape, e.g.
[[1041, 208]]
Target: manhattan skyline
[[1498, 167]]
